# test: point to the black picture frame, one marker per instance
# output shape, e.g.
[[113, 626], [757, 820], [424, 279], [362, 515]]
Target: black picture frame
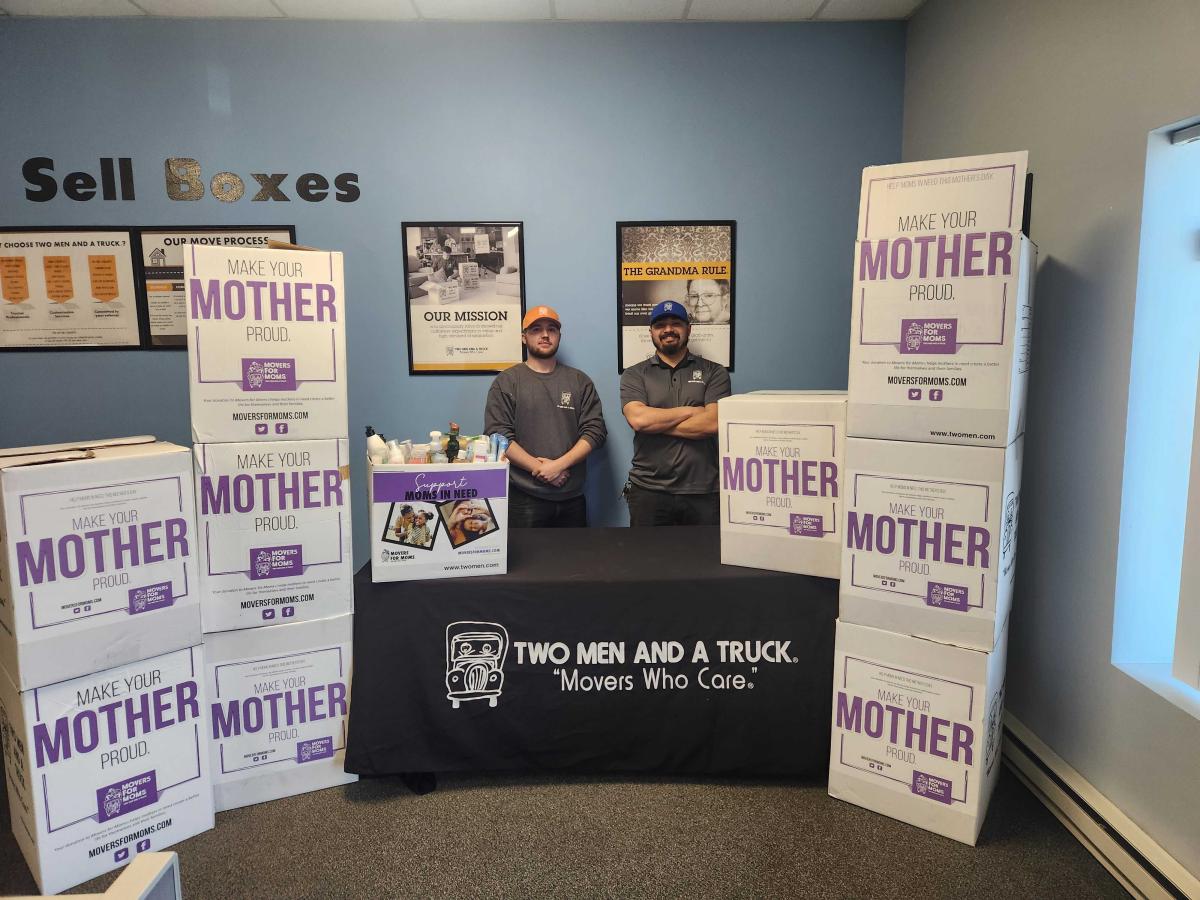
[[148, 340], [731, 224], [466, 368], [387, 536], [135, 250], [444, 509]]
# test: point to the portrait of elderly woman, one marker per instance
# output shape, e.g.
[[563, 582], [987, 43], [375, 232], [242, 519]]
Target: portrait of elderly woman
[[707, 301]]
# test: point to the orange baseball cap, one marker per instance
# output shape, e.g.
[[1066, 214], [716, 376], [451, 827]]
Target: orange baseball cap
[[540, 312]]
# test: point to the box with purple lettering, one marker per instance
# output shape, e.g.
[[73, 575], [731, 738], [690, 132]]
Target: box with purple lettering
[[97, 563], [104, 767], [279, 700], [931, 534], [942, 309], [266, 333], [780, 469], [274, 532], [916, 728]]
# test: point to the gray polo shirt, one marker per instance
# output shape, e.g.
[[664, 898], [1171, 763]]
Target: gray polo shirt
[[662, 462]]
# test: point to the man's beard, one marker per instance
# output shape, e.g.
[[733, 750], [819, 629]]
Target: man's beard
[[679, 348], [537, 351]]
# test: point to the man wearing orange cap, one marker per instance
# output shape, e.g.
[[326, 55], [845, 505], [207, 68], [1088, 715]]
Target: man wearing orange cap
[[551, 415]]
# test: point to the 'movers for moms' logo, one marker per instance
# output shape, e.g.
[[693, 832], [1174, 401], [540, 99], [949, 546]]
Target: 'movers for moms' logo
[[112, 802], [912, 337], [475, 654], [262, 564], [254, 376]]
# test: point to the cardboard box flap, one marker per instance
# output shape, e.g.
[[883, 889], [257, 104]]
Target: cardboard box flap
[[52, 453]]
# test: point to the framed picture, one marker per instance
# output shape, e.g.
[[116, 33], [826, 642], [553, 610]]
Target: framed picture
[[691, 263], [464, 291], [69, 289], [162, 271]]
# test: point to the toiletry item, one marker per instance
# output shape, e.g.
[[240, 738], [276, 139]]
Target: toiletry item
[[438, 458], [501, 447], [396, 453], [493, 447], [420, 454], [480, 450], [452, 447], [376, 446], [435, 441]]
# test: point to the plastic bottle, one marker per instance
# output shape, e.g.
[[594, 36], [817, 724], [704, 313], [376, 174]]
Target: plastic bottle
[[435, 441], [376, 446], [452, 447], [420, 454], [395, 453], [438, 458], [480, 450]]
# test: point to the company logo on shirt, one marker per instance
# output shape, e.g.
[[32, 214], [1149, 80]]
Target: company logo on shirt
[[697, 376], [564, 400]]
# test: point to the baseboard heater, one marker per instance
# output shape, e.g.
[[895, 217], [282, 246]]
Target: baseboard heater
[[1141, 866]]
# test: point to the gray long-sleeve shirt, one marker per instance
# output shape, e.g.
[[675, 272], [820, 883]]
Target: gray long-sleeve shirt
[[546, 414]]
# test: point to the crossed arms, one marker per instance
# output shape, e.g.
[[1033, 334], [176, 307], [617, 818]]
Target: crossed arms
[[688, 422]]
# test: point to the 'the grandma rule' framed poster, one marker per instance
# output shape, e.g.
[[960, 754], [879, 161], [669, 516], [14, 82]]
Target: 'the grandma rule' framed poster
[[691, 263]]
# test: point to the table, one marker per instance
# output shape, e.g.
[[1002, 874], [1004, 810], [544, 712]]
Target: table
[[601, 650]]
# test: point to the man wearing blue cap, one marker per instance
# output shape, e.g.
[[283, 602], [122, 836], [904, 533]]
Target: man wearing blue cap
[[670, 401]]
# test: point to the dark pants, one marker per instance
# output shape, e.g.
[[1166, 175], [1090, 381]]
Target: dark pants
[[662, 508], [527, 511]]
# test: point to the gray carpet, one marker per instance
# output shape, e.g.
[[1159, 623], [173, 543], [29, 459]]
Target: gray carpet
[[551, 836]]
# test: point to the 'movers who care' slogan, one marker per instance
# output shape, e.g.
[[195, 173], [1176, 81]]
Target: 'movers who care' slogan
[[720, 665]]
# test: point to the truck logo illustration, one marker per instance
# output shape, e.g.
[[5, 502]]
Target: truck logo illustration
[[475, 653]]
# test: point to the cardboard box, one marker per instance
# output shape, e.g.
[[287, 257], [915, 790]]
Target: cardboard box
[[274, 532], [438, 521], [96, 557], [266, 344], [942, 303], [107, 766], [279, 702], [468, 274], [931, 539], [916, 728], [940, 342], [781, 460], [940, 196]]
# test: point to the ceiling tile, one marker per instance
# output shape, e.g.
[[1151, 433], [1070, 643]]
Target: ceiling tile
[[868, 9], [619, 10], [101, 8], [753, 10], [212, 9], [484, 10], [377, 10]]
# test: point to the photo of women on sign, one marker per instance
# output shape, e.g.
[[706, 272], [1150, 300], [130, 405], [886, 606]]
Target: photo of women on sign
[[412, 524], [467, 520]]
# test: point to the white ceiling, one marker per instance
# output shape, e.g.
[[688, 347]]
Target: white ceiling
[[479, 10]]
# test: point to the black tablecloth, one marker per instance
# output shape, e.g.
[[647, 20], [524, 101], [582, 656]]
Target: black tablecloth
[[567, 593]]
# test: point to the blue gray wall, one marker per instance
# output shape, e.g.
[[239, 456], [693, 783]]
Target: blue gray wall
[[566, 127]]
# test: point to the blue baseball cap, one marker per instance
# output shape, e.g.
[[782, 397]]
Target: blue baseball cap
[[669, 308]]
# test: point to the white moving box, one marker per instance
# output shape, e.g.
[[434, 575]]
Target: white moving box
[[916, 728], [931, 539], [274, 532], [781, 458], [279, 705], [96, 557], [943, 303], [266, 344], [438, 521], [107, 766]]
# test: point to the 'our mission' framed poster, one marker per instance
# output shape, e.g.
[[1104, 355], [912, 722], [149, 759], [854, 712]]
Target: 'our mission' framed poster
[[691, 263], [68, 288], [464, 291]]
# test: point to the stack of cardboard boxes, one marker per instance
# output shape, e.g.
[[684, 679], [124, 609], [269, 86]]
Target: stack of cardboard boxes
[[267, 365], [102, 697], [935, 421]]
